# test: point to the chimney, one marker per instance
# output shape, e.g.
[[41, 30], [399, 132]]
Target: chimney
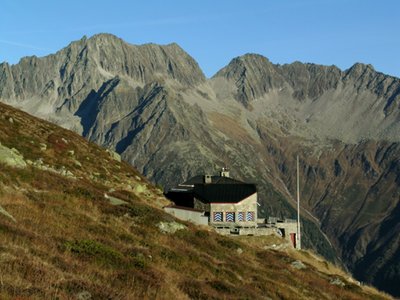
[[207, 179], [224, 172]]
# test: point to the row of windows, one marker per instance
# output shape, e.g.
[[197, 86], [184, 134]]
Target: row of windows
[[230, 216]]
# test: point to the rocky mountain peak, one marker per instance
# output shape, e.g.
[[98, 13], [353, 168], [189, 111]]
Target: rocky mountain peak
[[358, 67], [244, 66], [253, 74], [365, 78], [310, 80], [146, 62], [360, 70], [61, 82]]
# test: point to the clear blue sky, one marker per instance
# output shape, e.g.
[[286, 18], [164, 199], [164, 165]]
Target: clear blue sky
[[339, 32]]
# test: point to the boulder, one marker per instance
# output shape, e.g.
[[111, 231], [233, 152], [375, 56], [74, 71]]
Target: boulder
[[337, 281], [11, 157], [43, 147], [140, 188], [297, 264], [84, 295], [170, 227], [114, 155]]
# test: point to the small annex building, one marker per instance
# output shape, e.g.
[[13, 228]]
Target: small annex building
[[225, 203]]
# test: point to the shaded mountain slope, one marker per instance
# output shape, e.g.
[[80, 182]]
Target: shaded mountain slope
[[154, 106], [364, 211], [77, 223]]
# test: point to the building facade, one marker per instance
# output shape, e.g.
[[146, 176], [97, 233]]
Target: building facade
[[227, 202], [240, 214]]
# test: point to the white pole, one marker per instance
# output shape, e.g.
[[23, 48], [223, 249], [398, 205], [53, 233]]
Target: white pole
[[298, 236]]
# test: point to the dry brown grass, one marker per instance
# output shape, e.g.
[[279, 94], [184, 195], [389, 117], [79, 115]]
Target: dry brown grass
[[231, 128]]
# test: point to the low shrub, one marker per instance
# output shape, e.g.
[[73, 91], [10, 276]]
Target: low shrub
[[228, 243], [95, 251]]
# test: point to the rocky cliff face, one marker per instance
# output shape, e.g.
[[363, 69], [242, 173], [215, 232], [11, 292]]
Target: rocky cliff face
[[316, 101], [154, 106], [80, 77]]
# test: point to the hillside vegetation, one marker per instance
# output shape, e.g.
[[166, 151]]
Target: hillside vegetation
[[76, 223]]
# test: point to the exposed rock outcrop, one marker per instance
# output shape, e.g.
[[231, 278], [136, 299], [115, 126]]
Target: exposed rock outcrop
[[11, 157], [170, 227]]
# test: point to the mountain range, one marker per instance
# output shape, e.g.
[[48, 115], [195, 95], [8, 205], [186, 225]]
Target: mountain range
[[154, 106]]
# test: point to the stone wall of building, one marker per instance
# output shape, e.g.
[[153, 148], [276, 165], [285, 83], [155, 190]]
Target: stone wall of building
[[247, 231], [241, 214], [196, 217]]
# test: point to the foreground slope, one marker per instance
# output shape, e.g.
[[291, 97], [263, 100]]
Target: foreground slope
[[76, 222], [153, 105]]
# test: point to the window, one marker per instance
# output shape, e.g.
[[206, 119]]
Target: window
[[230, 217], [241, 216], [217, 216], [250, 216]]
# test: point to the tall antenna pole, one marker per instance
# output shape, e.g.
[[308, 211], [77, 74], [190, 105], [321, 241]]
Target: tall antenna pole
[[298, 236]]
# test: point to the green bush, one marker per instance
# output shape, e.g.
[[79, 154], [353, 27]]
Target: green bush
[[95, 251], [139, 210], [139, 261], [228, 243], [220, 286]]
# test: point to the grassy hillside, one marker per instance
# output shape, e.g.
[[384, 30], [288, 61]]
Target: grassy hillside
[[76, 223]]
